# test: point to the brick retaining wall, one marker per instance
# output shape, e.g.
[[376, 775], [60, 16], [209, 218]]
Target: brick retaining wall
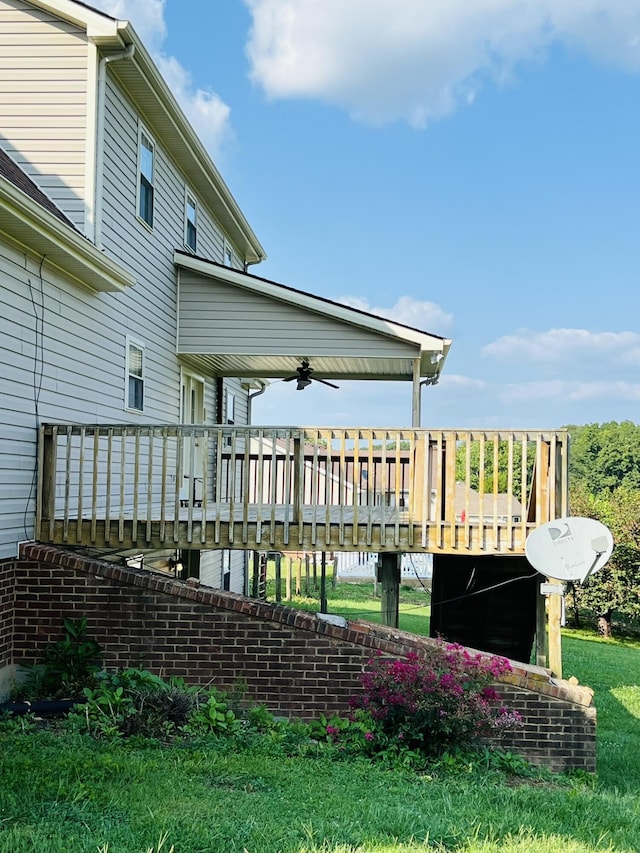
[[294, 662], [7, 573]]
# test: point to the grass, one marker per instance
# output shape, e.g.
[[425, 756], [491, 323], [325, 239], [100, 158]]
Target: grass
[[65, 793], [362, 601]]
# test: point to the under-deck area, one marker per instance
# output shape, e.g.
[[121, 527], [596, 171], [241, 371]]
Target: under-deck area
[[288, 488]]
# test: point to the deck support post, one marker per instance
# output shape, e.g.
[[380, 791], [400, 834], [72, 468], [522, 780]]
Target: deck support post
[[255, 575], [278, 577], [554, 609], [323, 583], [541, 629], [389, 577]]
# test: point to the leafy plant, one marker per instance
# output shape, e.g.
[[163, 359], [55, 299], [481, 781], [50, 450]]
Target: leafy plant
[[213, 716], [66, 666], [132, 702], [432, 704]]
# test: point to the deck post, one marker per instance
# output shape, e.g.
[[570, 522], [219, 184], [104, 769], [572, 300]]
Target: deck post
[[323, 583], [278, 577], [255, 585], [541, 628], [389, 577], [554, 601], [47, 485]]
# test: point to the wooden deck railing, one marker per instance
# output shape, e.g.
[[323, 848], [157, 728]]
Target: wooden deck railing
[[158, 486]]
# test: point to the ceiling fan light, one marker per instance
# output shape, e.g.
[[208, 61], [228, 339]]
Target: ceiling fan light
[[302, 383]]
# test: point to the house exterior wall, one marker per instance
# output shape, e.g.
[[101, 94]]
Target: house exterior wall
[[294, 662], [212, 310], [63, 346], [44, 102], [61, 362]]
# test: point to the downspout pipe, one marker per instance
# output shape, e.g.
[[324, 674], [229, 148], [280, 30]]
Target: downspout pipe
[[263, 387], [127, 53]]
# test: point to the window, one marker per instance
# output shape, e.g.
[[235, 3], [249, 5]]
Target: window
[[228, 255], [146, 170], [135, 376], [190, 225]]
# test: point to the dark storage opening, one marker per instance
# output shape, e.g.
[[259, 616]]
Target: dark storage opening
[[487, 603]]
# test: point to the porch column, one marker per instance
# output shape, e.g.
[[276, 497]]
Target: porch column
[[417, 389]]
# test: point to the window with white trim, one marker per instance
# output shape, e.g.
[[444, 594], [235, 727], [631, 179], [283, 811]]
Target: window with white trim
[[146, 176], [228, 255], [190, 221], [135, 376]]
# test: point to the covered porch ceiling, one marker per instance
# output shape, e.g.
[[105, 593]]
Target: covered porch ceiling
[[232, 323]]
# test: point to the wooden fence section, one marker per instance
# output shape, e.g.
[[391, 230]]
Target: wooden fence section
[[159, 486]]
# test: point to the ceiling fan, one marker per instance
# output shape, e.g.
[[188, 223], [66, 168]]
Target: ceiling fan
[[303, 377]]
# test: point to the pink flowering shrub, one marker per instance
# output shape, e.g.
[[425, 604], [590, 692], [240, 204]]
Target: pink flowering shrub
[[441, 701]]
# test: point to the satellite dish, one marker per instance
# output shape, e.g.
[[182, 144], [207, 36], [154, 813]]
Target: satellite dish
[[569, 549]]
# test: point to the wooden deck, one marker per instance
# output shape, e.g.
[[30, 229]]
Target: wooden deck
[[284, 488]]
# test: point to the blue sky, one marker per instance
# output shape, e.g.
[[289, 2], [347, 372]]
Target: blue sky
[[472, 173]]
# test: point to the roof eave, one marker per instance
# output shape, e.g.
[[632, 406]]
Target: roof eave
[[27, 223], [428, 345]]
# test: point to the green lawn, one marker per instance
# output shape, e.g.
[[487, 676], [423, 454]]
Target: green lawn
[[362, 601], [69, 794]]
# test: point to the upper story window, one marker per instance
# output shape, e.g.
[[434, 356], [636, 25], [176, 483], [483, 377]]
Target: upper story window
[[228, 255], [135, 376], [191, 222], [146, 175]]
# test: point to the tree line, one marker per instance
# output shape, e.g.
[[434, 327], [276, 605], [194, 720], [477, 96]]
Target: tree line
[[604, 483]]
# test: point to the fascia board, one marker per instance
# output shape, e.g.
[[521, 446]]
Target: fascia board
[[75, 255], [96, 24], [334, 310]]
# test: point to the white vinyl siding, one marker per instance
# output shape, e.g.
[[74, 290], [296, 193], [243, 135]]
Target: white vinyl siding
[[43, 102], [82, 336], [218, 317], [213, 565]]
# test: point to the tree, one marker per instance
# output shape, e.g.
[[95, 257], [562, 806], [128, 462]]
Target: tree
[[605, 456], [503, 466], [616, 587]]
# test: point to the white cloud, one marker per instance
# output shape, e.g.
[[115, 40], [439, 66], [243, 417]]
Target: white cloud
[[457, 382], [208, 114], [385, 60], [417, 313], [147, 16], [562, 344]]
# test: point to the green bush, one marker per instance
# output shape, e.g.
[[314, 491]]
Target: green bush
[[424, 706]]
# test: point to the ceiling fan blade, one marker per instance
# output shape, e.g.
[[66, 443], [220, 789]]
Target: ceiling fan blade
[[290, 378], [324, 382]]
